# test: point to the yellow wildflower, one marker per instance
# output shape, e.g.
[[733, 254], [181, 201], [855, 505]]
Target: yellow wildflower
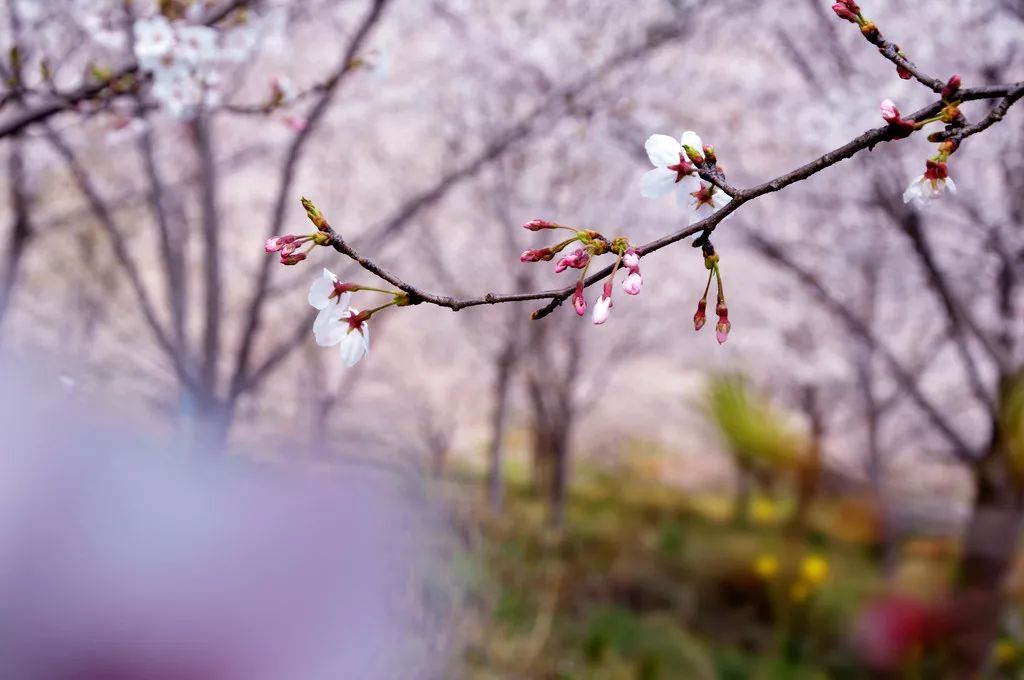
[[766, 566]]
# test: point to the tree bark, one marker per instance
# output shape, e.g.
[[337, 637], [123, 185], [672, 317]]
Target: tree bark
[[21, 230], [989, 548]]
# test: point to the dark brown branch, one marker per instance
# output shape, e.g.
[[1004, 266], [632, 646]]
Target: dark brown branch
[[740, 196], [513, 135]]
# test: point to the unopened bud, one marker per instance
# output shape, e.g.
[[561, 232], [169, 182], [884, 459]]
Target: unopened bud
[[542, 254], [952, 86], [538, 224], [314, 214], [709, 154], [293, 258], [843, 12], [700, 316], [578, 301], [693, 155]]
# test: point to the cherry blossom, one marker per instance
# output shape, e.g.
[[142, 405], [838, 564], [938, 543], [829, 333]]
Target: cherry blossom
[[706, 200], [326, 289], [577, 259], [672, 167], [931, 185], [347, 327]]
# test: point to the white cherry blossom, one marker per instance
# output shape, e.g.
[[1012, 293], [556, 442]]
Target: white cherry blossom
[[672, 171]]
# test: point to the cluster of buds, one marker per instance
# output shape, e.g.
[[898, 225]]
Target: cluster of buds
[[588, 245], [723, 326], [288, 244]]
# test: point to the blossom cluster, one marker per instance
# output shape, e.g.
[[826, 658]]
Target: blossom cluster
[[675, 171], [935, 181], [182, 58]]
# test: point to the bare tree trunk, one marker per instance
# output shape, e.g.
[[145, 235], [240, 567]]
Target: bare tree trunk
[[989, 548], [21, 229], [809, 470], [499, 422]]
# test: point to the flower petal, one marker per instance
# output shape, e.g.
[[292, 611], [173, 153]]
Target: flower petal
[[703, 210], [914, 190], [950, 185], [662, 150], [354, 346], [657, 182], [328, 328], [320, 291]]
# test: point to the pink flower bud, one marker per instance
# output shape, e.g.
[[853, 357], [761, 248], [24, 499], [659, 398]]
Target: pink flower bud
[[278, 242], [538, 224], [578, 301], [844, 12], [632, 283], [577, 259], [700, 317], [952, 86], [631, 260], [295, 123], [723, 326], [292, 258], [890, 113], [603, 306], [536, 255]]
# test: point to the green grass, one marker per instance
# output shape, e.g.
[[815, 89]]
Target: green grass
[[647, 583]]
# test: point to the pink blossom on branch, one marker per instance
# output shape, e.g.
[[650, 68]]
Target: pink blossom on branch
[[577, 259]]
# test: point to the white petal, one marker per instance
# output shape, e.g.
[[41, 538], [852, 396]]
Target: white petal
[[914, 190], [950, 185], [662, 150], [702, 211], [320, 291], [657, 182], [354, 346], [691, 139], [329, 327], [683, 193]]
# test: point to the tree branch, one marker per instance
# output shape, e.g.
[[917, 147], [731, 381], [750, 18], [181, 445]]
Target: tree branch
[[556, 297]]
